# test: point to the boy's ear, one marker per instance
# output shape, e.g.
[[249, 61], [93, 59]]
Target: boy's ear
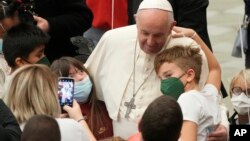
[[19, 62], [190, 75]]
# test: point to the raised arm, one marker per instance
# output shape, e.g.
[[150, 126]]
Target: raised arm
[[214, 76]]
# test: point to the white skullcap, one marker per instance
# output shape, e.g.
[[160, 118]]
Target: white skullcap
[[156, 4]]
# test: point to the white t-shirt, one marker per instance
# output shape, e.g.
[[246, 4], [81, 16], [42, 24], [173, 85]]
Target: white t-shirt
[[70, 130], [201, 107]]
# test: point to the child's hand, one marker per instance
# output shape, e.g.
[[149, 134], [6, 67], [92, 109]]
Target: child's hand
[[74, 112], [183, 32], [220, 134]]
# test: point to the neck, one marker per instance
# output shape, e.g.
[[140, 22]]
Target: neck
[[243, 119], [191, 86]]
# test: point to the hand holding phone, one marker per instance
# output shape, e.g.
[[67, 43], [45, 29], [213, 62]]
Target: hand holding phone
[[74, 112], [65, 91]]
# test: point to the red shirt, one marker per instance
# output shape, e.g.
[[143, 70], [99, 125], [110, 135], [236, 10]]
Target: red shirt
[[102, 11]]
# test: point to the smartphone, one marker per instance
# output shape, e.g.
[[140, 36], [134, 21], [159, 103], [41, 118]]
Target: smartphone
[[65, 91]]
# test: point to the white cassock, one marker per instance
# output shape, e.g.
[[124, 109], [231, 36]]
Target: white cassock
[[111, 65]]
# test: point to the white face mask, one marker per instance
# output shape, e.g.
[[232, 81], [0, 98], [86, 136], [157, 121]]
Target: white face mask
[[241, 103]]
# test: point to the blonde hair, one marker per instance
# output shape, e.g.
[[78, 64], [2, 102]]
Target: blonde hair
[[33, 91], [240, 76]]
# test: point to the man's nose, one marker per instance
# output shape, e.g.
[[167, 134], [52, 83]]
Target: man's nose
[[150, 41]]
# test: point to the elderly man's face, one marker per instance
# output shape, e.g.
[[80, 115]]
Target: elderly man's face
[[153, 29]]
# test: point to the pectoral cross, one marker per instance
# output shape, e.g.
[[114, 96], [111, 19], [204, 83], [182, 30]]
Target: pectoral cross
[[130, 105]]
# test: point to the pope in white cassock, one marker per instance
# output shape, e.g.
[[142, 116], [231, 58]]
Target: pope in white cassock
[[122, 64]]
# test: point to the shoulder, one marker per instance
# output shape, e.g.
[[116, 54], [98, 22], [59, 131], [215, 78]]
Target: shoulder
[[210, 89], [122, 31], [118, 37], [189, 97], [71, 129]]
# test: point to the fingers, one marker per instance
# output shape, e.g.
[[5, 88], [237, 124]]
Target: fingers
[[177, 35], [65, 115], [177, 29], [66, 108], [75, 103], [36, 18]]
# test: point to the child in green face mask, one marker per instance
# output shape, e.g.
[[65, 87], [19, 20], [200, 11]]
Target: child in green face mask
[[179, 69]]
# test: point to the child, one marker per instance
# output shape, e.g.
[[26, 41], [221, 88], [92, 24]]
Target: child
[[24, 44], [240, 97], [162, 120], [84, 92], [179, 68], [41, 128]]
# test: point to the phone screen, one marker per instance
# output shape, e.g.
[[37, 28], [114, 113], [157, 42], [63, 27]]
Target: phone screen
[[65, 91]]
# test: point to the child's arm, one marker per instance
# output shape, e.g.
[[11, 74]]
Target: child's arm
[[189, 131], [214, 76]]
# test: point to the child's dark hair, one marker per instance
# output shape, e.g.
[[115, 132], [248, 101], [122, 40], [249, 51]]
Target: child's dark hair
[[41, 128], [162, 120], [21, 40]]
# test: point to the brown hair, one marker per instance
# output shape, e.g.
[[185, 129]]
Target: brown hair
[[61, 68], [184, 57]]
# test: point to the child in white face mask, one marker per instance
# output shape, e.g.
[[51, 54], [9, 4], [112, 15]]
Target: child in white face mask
[[85, 94], [240, 97]]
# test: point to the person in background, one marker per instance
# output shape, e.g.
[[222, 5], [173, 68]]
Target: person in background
[[8, 19], [162, 120], [41, 128], [240, 97], [62, 19], [85, 94], [247, 15], [9, 128], [108, 14], [24, 44]]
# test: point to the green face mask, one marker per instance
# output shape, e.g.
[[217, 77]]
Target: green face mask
[[44, 61], [172, 86]]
